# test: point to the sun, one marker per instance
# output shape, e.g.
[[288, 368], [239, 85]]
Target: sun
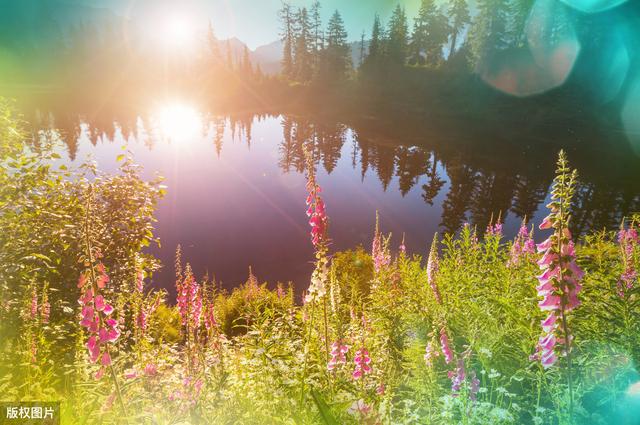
[[178, 31], [179, 122]]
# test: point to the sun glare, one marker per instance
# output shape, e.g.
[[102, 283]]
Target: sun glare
[[178, 122], [177, 31]]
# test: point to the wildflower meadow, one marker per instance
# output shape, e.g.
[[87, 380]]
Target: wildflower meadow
[[475, 329]]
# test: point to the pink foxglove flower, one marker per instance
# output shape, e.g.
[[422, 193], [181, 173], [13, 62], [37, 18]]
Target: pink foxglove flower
[[338, 355], [362, 361], [95, 313], [446, 349], [559, 282], [189, 303], [319, 222]]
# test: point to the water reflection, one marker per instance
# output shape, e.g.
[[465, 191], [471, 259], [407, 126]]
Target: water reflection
[[239, 188]]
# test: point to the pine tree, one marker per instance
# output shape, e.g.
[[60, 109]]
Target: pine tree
[[336, 55], [459, 13], [375, 45], [430, 33], [285, 15], [398, 36], [302, 50], [490, 30], [316, 31]]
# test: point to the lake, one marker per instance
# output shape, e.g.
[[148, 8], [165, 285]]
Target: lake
[[236, 183]]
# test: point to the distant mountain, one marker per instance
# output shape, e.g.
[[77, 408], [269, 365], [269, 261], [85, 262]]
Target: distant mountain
[[269, 56]]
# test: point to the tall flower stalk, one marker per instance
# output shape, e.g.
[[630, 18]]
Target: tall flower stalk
[[380, 248], [559, 282], [96, 311], [319, 223], [432, 268], [628, 240]]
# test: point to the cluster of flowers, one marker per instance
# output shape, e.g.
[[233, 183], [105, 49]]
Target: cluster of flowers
[[338, 354], [458, 378], [494, 229], [189, 303], [102, 329], [445, 349], [316, 212], [362, 361], [188, 395], [319, 222], [628, 240], [522, 245], [379, 249]]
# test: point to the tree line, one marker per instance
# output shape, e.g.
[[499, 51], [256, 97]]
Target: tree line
[[437, 35]]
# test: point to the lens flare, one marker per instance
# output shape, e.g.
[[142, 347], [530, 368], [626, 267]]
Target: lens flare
[[593, 6], [547, 61], [606, 71], [631, 115]]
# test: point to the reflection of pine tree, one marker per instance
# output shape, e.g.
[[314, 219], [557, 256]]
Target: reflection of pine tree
[[435, 183], [528, 195], [385, 162], [491, 198], [455, 205], [365, 157], [218, 138], [412, 163], [287, 146], [595, 207], [304, 137], [331, 146]]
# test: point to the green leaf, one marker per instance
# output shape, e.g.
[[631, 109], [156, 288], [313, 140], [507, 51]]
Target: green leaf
[[40, 256], [325, 411]]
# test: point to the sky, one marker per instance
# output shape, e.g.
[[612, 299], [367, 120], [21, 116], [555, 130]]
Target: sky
[[255, 21]]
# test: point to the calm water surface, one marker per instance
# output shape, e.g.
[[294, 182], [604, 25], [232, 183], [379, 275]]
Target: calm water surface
[[236, 187]]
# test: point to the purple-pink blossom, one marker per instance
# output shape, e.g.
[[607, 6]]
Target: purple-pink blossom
[[362, 361], [338, 354], [95, 317], [444, 344]]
